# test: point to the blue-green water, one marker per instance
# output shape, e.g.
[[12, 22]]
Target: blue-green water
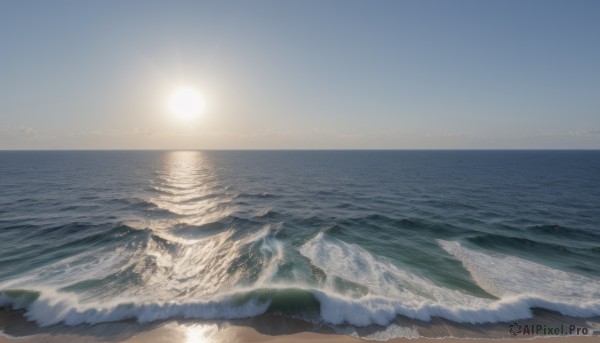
[[339, 237]]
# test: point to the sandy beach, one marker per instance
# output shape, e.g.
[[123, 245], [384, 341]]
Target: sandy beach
[[175, 333], [14, 327]]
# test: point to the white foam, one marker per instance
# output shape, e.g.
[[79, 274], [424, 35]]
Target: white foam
[[398, 292], [164, 267], [392, 331], [381, 277], [379, 310], [503, 276], [52, 308], [392, 291], [382, 334], [271, 250], [94, 264]]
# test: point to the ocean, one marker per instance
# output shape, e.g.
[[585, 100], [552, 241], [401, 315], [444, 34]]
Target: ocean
[[340, 239]]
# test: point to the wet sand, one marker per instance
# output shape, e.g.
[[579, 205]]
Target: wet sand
[[188, 334], [15, 328]]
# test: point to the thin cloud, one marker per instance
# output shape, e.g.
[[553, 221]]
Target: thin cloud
[[586, 133], [23, 133]]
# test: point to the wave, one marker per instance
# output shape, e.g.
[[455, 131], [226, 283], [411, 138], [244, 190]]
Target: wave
[[562, 232], [358, 288], [503, 275], [68, 240], [315, 305], [263, 195], [51, 308], [516, 242]]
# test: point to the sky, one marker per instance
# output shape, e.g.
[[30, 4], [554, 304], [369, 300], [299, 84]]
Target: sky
[[520, 74]]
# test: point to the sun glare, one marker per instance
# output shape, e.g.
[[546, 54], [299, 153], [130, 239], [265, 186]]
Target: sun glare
[[186, 103]]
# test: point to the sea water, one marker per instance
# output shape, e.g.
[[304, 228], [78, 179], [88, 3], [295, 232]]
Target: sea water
[[351, 238]]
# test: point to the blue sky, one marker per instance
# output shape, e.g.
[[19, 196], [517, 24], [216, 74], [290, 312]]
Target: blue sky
[[300, 74]]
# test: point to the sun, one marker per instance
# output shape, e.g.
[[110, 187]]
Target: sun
[[186, 103]]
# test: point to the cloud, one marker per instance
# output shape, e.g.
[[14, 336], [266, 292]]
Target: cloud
[[23, 133], [112, 133], [587, 133], [574, 133], [28, 132]]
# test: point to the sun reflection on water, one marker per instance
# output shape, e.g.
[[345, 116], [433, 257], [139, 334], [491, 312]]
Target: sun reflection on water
[[188, 187], [183, 259]]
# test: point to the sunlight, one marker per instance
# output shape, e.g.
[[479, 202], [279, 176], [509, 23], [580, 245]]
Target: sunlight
[[200, 333], [187, 185], [186, 103]]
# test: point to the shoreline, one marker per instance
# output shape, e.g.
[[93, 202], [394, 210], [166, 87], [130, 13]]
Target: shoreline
[[14, 327], [173, 332]]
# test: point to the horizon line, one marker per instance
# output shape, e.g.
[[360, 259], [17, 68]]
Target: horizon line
[[313, 149]]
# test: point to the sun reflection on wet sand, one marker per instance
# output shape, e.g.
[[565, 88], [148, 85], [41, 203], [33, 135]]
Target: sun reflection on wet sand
[[201, 333]]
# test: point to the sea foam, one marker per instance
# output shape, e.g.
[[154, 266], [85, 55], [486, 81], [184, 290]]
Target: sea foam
[[392, 292]]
